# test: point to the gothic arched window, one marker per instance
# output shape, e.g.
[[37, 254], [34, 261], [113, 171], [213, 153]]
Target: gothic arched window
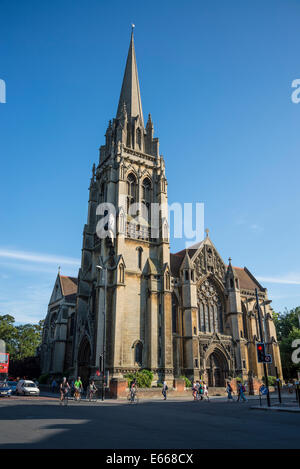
[[138, 353], [210, 308], [131, 190], [121, 273], [139, 137], [146, 199], [140, 257], [174, 314]]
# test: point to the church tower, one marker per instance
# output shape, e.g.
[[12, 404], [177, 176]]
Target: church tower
[[124, 287]]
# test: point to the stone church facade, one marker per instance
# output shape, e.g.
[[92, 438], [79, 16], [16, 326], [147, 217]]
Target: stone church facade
[[184, 314]]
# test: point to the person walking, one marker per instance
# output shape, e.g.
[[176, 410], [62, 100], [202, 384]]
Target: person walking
[[164, 390], [194, 391], [229, 391], [241, 395], [201, 391], [205, 391]]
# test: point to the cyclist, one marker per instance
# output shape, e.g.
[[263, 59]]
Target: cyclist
[[64, 389], [133, 389], [78, 388], [92, 389]]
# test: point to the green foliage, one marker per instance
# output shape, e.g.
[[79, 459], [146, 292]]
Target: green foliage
[[288, 330], [143, 378], [286, 322], [188, 383], [8, 332], [271, 380], [21, 341]]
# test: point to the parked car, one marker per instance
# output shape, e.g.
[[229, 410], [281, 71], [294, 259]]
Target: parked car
[[13, 386], [5, 390], [27, 388]]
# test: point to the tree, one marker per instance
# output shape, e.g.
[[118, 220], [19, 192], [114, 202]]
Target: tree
[[288, 330], [21, 341], [29, 337], [8, 333], [285, 322]]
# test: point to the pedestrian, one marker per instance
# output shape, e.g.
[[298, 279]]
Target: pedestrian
[[229, 391], [164, 390], [53, 385], [241, 395], [201, 391], [194, 391], [205, 391]]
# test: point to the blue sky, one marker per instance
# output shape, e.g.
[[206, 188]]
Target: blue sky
[[216, 77]]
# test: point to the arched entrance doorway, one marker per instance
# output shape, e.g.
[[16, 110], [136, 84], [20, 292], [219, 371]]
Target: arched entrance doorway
[[84, 361], [216, 369]]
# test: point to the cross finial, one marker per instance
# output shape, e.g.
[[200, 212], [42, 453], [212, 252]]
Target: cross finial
[[207, 232], [229, 260], [59, 270]]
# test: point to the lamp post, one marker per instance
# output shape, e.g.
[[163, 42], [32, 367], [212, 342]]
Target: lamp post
[[262, 340], [104, 269]]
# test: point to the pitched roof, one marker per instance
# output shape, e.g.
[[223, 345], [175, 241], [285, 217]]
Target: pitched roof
[[247, 280], [68, 285]]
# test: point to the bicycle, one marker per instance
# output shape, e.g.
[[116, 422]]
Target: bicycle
[[91, 396], [77, 395], [65, 399], [132, 397]]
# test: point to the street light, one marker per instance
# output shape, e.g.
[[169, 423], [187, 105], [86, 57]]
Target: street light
[[262, 338], [104, 269]]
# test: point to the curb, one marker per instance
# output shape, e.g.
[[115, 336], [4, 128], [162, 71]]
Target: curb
[[277, 409]]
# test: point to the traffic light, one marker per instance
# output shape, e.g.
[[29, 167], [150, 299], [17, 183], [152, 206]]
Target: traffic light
[[261, 355]]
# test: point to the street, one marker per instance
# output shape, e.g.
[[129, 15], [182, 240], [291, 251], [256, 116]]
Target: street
[[30, 422]]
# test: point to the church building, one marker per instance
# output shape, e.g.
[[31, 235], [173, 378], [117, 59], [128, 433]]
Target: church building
[[135, 305]]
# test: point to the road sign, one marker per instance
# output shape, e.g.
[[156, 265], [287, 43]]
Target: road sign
[[263, 390], [268, 358]]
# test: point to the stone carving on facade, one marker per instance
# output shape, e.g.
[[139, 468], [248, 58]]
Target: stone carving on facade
[[208, 261]]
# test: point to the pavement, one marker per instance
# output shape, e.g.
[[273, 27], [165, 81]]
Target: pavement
[[40, 422]]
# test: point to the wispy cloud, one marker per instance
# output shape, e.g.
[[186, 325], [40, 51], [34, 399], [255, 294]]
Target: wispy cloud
[[27, 279], [38, 257], [288, 279]]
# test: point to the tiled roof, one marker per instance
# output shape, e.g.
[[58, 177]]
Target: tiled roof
[[68, 285], [247, 280]]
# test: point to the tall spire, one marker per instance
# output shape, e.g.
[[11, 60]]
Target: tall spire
[[130, 92]]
